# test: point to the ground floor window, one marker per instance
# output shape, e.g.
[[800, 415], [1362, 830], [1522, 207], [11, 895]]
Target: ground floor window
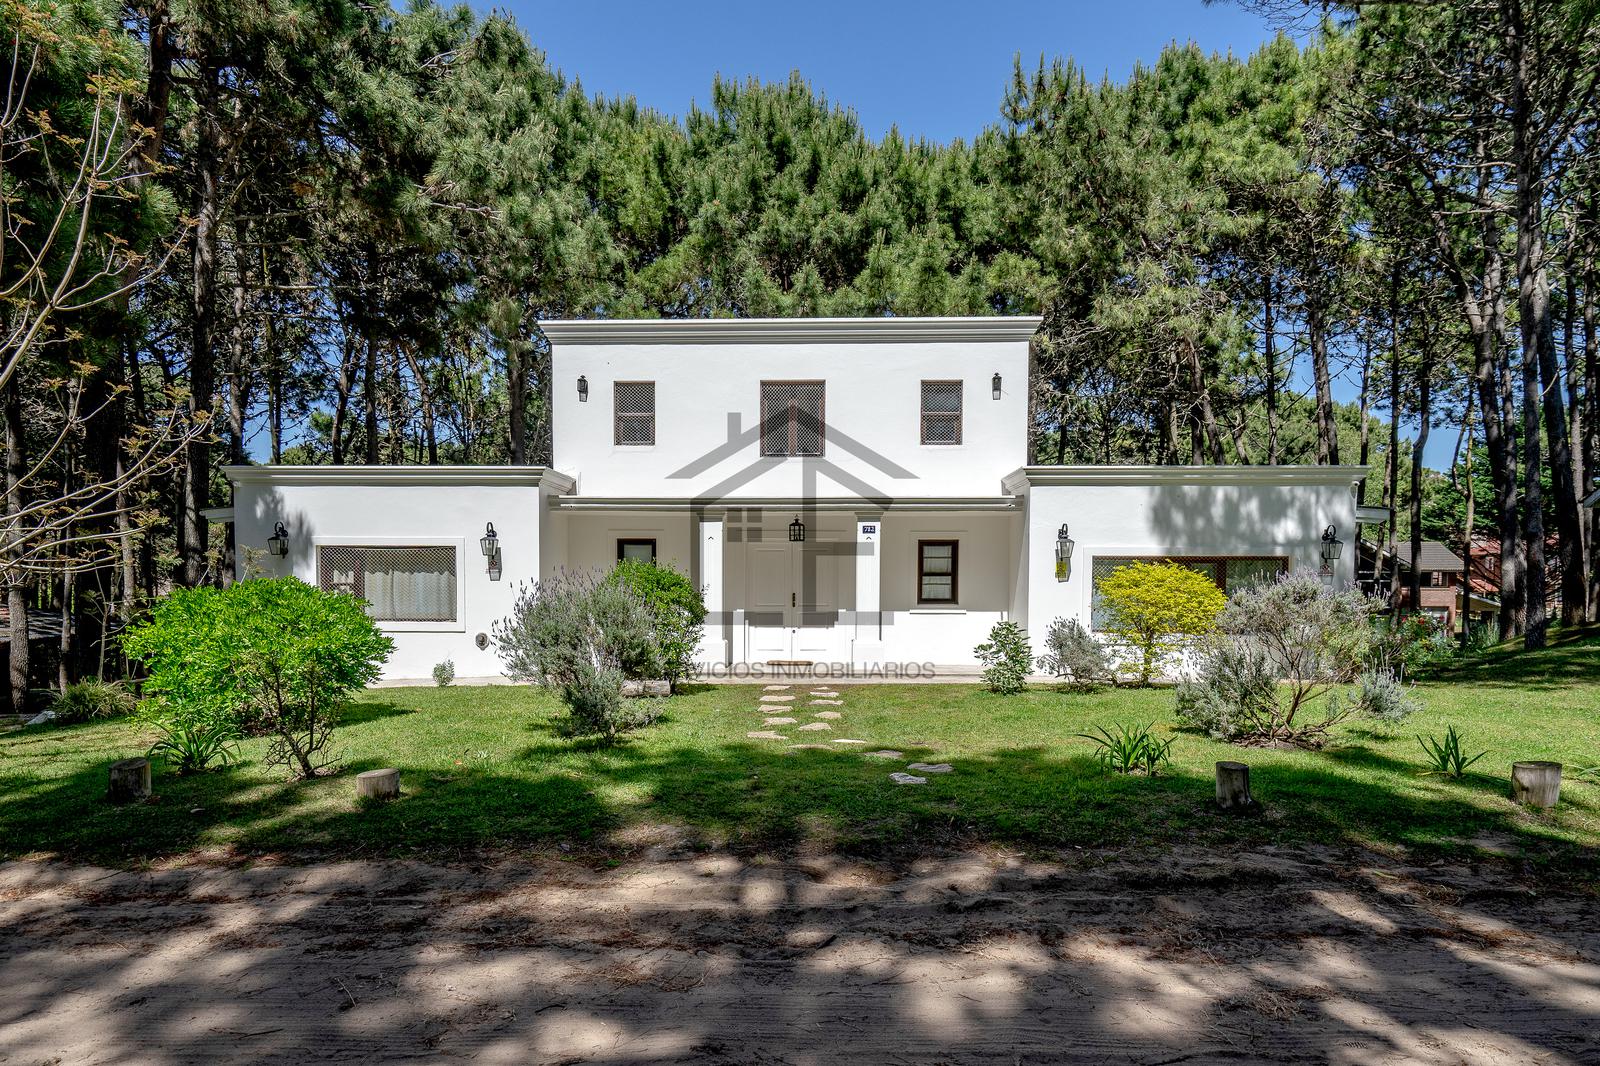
[[937, 564], [400, 584], [1228, 571], [641, 548]]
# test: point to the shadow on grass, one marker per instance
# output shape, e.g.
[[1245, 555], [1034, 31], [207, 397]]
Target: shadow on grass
[[753, 797], [1573, 656]]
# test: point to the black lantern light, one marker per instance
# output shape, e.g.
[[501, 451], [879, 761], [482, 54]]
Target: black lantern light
[[278, 543], [797, 530], [994, 385], [1332, 547], [1064, 546], [490, 541], [583, 389]]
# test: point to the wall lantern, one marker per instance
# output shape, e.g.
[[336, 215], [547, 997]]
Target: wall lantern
[[1332, 547], [583, 389], [278, 543], [494, 566], [490, 541], [797, 530], [1064, 546], [994, 385]]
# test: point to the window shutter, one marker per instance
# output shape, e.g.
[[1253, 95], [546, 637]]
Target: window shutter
[[635, 412], [792, 418], [941, 412]]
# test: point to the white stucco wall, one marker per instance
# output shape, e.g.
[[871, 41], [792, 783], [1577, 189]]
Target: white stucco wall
[[708, 392], [403, 506], [1176, 511]]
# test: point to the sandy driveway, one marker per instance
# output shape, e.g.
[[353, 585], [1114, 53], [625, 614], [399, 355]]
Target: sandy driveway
[[979, 957]]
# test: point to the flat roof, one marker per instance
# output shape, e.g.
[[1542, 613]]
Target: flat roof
[[788, 330]]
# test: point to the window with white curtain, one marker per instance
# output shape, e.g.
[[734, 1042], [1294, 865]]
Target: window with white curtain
[[401, 584]]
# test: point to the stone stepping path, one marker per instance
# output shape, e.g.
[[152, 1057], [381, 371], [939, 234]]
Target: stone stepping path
[[777, 699], [765, 734], [828, 715], [931, 768], [907, 779], [809, 747], [823, 692], [886, 753], [813, 727], [827, 703], [777, 688], [779, 721], [843, 740]]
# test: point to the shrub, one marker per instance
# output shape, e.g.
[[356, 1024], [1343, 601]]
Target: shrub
[[84, 701], [1448, 756], [677, 613], [1006, 658], [1125, 750], [1075, 655], [1414, 646], [1273, 668], [1483, 636], [1156, 608], [274, 654], [1383, 697], [192, 743], [444, 673], [581, 634]]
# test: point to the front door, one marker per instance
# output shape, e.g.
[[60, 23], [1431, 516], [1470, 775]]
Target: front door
[[792, 607]]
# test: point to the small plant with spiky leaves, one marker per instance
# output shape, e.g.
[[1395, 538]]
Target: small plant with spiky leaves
[[1447, 756], [1128, 749]]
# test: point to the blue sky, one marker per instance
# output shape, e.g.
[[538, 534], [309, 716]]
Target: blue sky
[[936, 69]]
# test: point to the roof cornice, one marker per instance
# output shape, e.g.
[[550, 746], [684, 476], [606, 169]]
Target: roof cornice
[[399, 475], [853, 504], [787, 330], [1026, 476]]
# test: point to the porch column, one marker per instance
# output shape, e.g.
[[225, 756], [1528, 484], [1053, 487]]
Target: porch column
[[714, 644], [868, 647]]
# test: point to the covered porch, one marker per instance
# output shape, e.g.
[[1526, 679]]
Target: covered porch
[[833, 584]]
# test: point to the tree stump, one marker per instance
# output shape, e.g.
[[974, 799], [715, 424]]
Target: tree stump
[[1536, 783], [129, 781], [378, 784], [657, 688], [1233, 787], [632, 688]]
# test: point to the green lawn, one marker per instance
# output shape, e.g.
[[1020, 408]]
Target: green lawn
[[485, 767]]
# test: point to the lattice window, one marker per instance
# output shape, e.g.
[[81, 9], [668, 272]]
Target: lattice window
[[635, 411], [399, 584], [1230, 572], [941, 412], [791, 417]]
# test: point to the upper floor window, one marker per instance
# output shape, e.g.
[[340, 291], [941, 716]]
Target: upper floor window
[[791, 417], [635, 412], [404, 584], [941, 412]]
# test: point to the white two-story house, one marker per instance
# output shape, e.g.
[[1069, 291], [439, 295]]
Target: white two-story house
[[849, 493]]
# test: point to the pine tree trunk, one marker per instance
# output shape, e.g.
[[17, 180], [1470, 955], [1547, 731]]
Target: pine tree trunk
[[16, 588], [1327, 428], [1424, 417], [1533, 305], [202, 309], [1466, 536], [1270, 348], [369, 399]]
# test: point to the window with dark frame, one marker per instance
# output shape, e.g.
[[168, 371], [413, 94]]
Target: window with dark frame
[[399, 584], [938, 564], [642, 549], [941, 412], [1230, 572], [635, 412], [792, 415]]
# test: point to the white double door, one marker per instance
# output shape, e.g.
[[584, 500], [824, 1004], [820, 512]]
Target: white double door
[[792, 603]]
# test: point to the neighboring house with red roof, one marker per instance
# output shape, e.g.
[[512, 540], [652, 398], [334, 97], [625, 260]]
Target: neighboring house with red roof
[[1441, 584]]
